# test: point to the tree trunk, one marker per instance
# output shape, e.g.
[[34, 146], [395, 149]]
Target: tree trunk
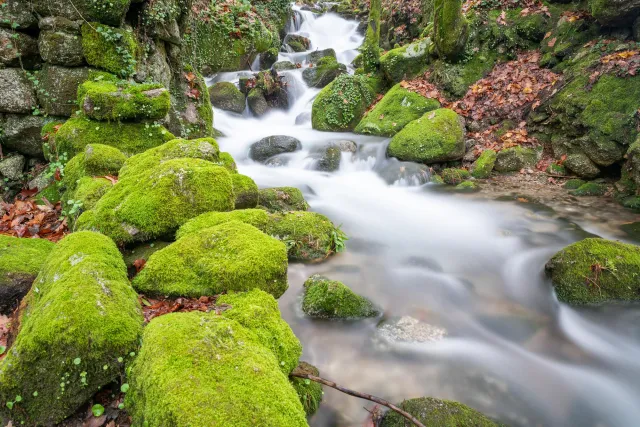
[[371, 47], [451, 29]]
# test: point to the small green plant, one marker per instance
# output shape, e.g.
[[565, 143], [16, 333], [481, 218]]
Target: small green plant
[[72, 210], [338, 239], [97, 410]]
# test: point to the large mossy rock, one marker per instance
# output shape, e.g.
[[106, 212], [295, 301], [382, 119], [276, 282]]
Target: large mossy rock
[[245, 190], [515, 158], [596, 270], [282, 199], [207, 369], [226, 96], [309, 235], [438, 136], [324, 72], [341, 105], [111, 12], [436, 412], [130, 138], [20, 262], [614, 12], [111, 49], [330, 299], [397, 109], [255, 217], [232, 256], [483, 166], [406, 61], [78, 323]]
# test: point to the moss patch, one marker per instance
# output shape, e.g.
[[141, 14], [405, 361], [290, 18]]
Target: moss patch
[[341, 104], [109, 48], [282, 199], [245, 190], [436, 412], [105, 100], [256, 217], [589, 189], [452, 176], [406, 61], [308, 235], [483, 166], [331, 299]]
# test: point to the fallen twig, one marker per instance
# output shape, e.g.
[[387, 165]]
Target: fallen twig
[[378, 400]]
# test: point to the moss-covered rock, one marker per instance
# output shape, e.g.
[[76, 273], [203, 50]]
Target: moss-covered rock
[[397, 109], [309, 392], [325, 298], [106, 100], [282, 199], [406, 61], [61, 47], [341, 104], [109, 48], [204, 368], [589, 189], [556, 169], [132, 138], [515, 158], [226, 160], [437, 136], [569, 34], [256, 217], [296, 42], [596, 270], [467, 187], [58, 89], [191, 115], [108, 12], [232, 256], [483, 166], [245, 191], [309, 236], [324, 72], [88, 191], [453, 176], [612, 12], [78, 322], [20, 261], [226, 96], [436, 412], [574, 184], [315, 56]]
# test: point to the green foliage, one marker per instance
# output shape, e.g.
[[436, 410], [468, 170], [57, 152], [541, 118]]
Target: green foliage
[[109, 48], [436, 412], [341, 104], [326, 298]]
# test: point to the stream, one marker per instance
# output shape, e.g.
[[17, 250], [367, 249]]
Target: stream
[[463, 274]]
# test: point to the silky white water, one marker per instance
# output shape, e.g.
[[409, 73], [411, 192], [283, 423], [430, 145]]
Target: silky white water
[[469, 265]]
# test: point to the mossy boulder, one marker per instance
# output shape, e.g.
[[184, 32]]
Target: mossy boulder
[[341, 105], [245, 191], [131, 138], [282, 199], [614, 12], [453, 176], [255, 217], [226, 96], [596, 270], [204, 368], [226, 160], [111, 12], [88, 191], [296, 42], [232, 256], [309, 236], [317, 55], [438, 136], [96, 160], [20, 261], [574, 184], [330, 299], [309, 392], [406, 61], [397, 109], [77, 324], [589, 189], [109, 48], [106, 100], [483, 166], [436, 412], [324, 72], [515, 158]]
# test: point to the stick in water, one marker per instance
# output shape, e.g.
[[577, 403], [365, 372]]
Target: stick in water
[[382, 402]]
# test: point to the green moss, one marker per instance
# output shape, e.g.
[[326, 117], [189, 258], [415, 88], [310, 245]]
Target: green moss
[[574, 276], [436, 412], [455, 79], [309, 236], [483, 166], [451, 29], [452, 176], [109, 48], [205, 369], [467, 187], [406, 61], [80, 316], [105, 100], [255, 217], [515, 158], [435, 137], [341, 104], [245, 190], [323, 72], [573, 184], [149, 203], [226, 160], [556, 169], [90, 190], [331, 299], [370, 49], [569, 36], [309, 392], [226, 96], [282, 199], [398, 108], [589, 189], [632, 202], [73, 136]]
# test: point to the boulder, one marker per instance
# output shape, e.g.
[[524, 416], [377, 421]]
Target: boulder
[[245, 191], [79, 325], [323, 72], [258, 262], [61, 48], [272, 146], [515, 158], [395, 110], [226, 96], [296, 43], [59, 94], [309, 392], [404, 173], [282, 199], [452, 176], [438, 136], [340, 105], [258, 218], [315, 56], [14, 14], [96, 160], [213, 369], [12, 167], [20, 262], [407, 329], [111, 49], [310, 235], [18, 49], [328, 158], [406, 61], [257, 102], [594, 271], [330, 299], [16, 92], [483, 166], [88, 191], [111, 13], [346, 146], [615, 12], [23, 133], [283, 66], [190, 115], [432, 411]]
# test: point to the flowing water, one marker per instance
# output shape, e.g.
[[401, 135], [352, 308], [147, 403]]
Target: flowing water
[[466, 267]]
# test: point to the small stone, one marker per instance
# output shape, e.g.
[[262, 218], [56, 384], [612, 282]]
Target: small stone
[[272, 146], [12, 167]]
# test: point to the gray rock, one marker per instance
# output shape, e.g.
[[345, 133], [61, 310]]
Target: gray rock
[[303, 118], [22, 133], [268, 58], [59, 89], [315, 56], [581, 165], [407, 329], [283, 66], [16, 92], [296, 43], [40, 182], [469, 156], [226, 96], [106, 13], [61, 48], [404, 173], [12, 167], [346, 146], [15, 12], [58, 23], [615, 12], [277, 161], [272, 146], [516, 158], [257, 103], [16, 47], [323, 73], [155, 67], [279, 99], [328, 158]]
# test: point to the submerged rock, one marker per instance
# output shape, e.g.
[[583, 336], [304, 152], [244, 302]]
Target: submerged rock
[[325, 298], [407, 329], [282, 199], [436, 412], [226, 96], [283, 66], [404, 173], [315, 56], [596, 270], [329, 158], [272, 146]]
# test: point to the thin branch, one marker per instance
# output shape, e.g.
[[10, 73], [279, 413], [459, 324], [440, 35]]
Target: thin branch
[[378, 400]]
